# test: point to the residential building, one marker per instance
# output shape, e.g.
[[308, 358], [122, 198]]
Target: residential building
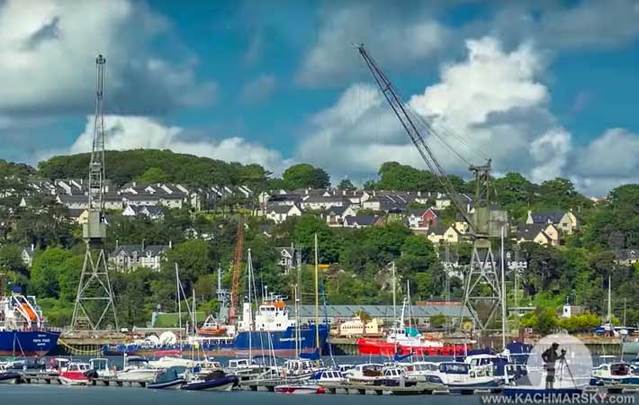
[[627, 257], [545, 234], [27, 255], [565, 221], [287, 258], [361, 221], [279, 213], [129, 257], [421, 218], [150, 211]]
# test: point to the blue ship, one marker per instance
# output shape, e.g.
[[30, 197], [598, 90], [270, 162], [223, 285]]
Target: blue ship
[[269, 331], [22, 328], [27, 342]]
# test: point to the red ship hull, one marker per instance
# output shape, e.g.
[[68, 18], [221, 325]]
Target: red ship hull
[[381, 347]]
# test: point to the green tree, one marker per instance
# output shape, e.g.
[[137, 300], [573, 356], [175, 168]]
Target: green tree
[[305, 175], [152, 175], [346, 184]]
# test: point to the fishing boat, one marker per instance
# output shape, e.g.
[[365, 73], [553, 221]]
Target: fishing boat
[[615, 373], [299, 389], [402, 339], [75, 373], [168, 379], [23, 329], [215, 381], [211, 327]]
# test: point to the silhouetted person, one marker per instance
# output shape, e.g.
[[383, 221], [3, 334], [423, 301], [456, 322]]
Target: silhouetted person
[[550, 357]]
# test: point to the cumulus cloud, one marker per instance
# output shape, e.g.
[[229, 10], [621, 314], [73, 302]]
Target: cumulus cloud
[[492, 101], [259, 89], [416, 36], [47, 51], [398, 37], [133, 132], [608, 161]]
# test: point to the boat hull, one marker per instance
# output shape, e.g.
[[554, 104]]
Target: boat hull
[[299, 389], [27, 343], [381, 347], [73, 378], [9, 377], [169, 385], [218, 384]]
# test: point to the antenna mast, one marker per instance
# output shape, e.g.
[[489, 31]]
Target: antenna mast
[[94, 303]]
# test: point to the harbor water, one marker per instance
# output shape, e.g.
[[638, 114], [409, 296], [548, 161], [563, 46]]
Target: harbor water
[[37, 394]]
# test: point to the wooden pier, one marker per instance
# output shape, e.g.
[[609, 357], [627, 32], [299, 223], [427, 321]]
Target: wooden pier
[[426, 389]]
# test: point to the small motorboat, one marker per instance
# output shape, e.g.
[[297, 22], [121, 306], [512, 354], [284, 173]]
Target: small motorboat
[[215, 381], [8, 376], [617, 373], [328, 377], [75, 373], [102, 368], [300, 389], [136, 369], [168, 379]]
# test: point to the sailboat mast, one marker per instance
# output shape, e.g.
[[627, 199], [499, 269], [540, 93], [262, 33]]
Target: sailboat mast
[[317, 343], [609, 302], [298, 255], [177, 297], [394, 290], [504, 320], [250, 292]]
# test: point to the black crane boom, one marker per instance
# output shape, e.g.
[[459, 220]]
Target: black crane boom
[[404, 114]]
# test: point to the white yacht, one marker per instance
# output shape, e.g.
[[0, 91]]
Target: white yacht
[[137, 369]]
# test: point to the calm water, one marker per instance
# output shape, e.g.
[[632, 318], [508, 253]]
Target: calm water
[[62, 395]]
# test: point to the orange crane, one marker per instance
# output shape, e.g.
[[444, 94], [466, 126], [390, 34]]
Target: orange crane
[[237, 272]]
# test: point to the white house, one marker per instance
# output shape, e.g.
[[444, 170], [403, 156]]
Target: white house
[[129, 257], [279, 213]]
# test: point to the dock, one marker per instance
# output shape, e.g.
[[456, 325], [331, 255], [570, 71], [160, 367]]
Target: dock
[[425, 389]]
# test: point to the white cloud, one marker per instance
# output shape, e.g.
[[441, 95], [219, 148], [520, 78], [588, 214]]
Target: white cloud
[[492, 100], [608, 161], [397, 37], [133, 132], [259, 89], [47, 51]]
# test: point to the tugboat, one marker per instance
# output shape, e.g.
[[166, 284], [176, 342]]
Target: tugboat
[[23, 330], [406, 340]]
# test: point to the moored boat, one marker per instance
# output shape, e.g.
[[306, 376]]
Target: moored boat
[[75, 373], [215, 381], [299, 389], [167, 379], [23, 329]]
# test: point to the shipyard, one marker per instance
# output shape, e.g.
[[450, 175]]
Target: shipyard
[[350, 201]]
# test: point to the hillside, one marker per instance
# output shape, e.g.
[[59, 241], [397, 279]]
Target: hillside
[[152, 165]]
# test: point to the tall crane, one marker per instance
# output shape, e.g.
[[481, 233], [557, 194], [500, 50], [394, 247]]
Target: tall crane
[[94, 302], [237, 272], [482, 295]]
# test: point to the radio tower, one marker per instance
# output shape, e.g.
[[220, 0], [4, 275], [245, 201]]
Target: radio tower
[[94, 305]]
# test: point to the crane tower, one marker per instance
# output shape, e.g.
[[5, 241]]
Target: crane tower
[[482, 290], [94, 305]]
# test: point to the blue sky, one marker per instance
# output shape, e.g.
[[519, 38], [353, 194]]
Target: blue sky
[[546, 88]]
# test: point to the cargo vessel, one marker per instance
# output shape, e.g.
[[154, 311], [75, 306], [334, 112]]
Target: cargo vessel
[[23, 330]]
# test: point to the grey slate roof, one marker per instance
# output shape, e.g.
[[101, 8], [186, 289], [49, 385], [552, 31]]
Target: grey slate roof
[[545, 217], [382, 311], [530, 231], [140, 250], [362, 220]]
